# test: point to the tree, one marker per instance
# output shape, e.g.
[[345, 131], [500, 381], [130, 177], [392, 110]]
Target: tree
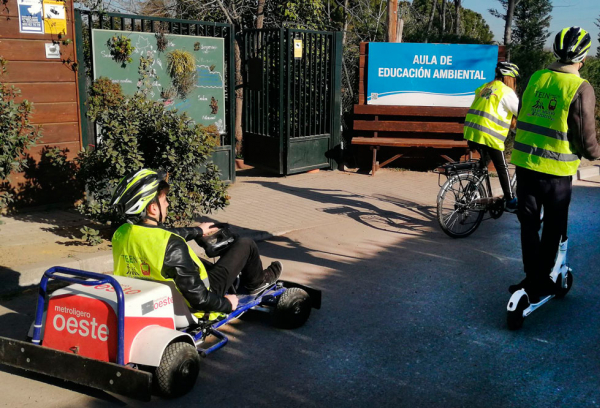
[[473, 27], [17, 134], [598, 25], [457, 8], [509, 7], [530, 31]]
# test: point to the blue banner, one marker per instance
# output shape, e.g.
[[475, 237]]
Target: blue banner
[[428, 74]]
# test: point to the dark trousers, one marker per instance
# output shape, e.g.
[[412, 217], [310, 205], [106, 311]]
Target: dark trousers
[[497, 157], [242, 257], [535, 190]]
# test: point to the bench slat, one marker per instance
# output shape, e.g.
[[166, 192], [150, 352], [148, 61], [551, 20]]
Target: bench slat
[[408, 142], [421, 127], [434, 111]]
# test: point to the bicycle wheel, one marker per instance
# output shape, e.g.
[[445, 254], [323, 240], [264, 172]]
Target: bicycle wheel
[[457, 213]]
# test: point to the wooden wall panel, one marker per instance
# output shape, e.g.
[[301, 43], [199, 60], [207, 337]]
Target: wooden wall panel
[[41, 92], [25, 71], [31, 50], [54, 112], [60, 133], [49, 83]]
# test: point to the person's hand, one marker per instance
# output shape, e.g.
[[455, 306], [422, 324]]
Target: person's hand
[[234, 301], [208, 228]]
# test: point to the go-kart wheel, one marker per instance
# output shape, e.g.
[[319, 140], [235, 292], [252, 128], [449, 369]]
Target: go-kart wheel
[[292, 309], [178, 370], [561, 292], [515, 318]]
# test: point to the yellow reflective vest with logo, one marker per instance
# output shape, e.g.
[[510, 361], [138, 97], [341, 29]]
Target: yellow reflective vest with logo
[[541, 143], [139, 252], [484, 124]]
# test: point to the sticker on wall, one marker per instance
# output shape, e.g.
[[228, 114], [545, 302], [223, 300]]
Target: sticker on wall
[[30, 16], [297, 48], [55, 18]]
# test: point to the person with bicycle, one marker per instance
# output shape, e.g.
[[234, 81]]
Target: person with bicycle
[[555, 128], [489, 120], [146, 249]]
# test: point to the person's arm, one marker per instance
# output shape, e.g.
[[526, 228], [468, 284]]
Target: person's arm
[[510, 103], [582, 122], [179, 266], [187, 233], [190, 233]]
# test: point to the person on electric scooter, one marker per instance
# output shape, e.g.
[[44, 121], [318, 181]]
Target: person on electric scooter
[[555, 128], [489, 120], [146, 249]]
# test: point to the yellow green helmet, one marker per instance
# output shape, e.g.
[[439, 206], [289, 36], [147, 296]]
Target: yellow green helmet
[[135, 191], [507, 69], [571, 45]]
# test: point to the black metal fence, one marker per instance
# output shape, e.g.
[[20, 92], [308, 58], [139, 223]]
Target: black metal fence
[[85, 21], [290, 82]]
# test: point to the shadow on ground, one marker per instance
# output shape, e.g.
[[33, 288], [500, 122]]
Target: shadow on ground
[[410, 318]]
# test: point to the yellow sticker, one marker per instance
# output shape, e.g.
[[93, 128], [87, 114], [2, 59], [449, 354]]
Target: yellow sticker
[[297, 48], [55, 18]]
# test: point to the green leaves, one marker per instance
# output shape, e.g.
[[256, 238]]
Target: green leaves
[[141, 133], [121, 48], [17, 134], [91, 236]]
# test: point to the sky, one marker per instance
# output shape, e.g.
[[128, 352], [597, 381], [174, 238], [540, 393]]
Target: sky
[[565, 13]]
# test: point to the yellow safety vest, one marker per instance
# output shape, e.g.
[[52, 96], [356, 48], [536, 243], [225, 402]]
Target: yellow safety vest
[[139, 252], [541, 143], [484, 124]]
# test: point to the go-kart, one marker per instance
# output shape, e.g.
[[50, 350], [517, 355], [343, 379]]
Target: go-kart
[[132, 336]]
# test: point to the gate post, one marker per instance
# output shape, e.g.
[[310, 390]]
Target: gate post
[[336, 110]]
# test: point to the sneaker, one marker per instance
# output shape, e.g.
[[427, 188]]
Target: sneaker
[[524, 284], [535, 290], [512, 205], [272, 273]]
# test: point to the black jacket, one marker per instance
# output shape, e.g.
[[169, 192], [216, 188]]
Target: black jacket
[[179, 266]]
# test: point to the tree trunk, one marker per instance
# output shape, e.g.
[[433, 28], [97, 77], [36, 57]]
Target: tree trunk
[[260, 14], [392, 20], [510, 11], [433, 3], [344, 30], [457, 8], [443, 16], [239, 99]]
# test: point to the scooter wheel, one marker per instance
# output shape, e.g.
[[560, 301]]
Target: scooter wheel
[[292, 310], [515, 318], [561, 291]]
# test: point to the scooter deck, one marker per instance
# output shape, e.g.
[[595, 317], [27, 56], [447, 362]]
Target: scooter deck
[[534, 306]]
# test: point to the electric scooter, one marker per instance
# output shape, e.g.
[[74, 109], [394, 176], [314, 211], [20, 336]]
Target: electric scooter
[[519, 306]]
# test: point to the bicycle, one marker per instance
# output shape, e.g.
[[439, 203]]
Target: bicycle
[[466, 196]]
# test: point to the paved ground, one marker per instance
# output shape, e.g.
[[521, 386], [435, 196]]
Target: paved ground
[[410, 317], [261, 207]]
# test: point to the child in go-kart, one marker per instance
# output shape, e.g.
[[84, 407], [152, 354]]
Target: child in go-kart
[[148, 250]]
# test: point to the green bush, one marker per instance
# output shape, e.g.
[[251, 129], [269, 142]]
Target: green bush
[[135, 133], [17, 134]]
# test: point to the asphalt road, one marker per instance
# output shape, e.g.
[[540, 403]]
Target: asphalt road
[[410, 318]]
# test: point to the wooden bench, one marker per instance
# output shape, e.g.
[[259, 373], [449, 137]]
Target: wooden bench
[[408, 128]]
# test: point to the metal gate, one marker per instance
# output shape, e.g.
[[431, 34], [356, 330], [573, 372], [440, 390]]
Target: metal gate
[[85, 21], [292, 81]]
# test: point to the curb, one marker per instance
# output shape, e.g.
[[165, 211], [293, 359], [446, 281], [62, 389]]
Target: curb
[[29, 275], [588, 172]]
